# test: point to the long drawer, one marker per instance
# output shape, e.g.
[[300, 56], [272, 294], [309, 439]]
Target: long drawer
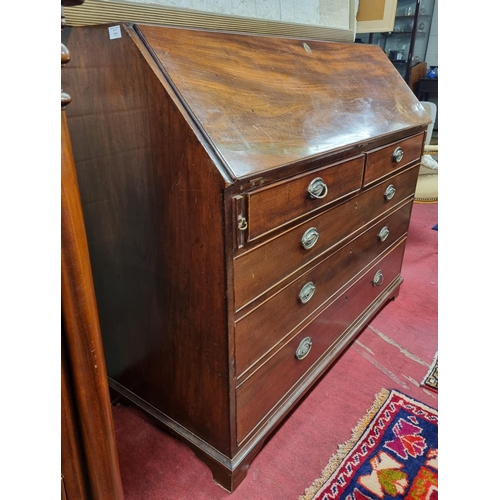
[[282, 202], [259, 394], [263, 267], [258, 331]]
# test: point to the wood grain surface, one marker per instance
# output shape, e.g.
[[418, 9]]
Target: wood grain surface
[[90, 466], [89, 458], [256, 396], [266, 102], [263, 267], [259, 330], [180, 135]]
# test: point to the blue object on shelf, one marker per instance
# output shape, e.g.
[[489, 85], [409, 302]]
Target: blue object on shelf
[[433, 72]]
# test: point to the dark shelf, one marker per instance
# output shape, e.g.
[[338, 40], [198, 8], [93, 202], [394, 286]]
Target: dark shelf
[[407, 33], [412, 16], [410, 38]]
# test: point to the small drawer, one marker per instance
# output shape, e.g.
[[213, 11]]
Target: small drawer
[[389, 159], [273, 206], [259, 394], [263, 267], [259, 331]]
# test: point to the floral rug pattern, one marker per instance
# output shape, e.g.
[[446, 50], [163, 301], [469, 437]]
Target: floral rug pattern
[[393, 454]]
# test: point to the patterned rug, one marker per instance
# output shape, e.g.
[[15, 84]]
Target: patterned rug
[[392, 454], [431, 379]]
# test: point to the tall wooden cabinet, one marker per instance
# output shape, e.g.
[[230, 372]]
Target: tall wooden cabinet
[[247, 200], [89, 458]]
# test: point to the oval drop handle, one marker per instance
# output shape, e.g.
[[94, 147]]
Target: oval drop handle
[[383, 234], [305, 295], [309, 238], [304, 348], [378, 279], [397, 155], [390, 192], [317, 189]]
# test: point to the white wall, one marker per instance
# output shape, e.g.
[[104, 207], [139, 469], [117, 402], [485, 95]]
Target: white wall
[[431, 57], [329, 13]]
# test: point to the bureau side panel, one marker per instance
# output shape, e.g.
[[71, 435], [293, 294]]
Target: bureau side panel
[[153, 206]]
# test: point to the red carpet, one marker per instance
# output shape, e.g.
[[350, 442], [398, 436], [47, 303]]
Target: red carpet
[[395, 352]]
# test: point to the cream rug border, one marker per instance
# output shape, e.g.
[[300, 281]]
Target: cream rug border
[[431, 369], [344, 449]]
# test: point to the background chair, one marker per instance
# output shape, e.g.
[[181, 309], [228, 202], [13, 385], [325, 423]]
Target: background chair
[[427, 183], [431, 108]]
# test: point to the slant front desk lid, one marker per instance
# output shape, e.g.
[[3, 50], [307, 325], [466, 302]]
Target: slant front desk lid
[[265, 102]]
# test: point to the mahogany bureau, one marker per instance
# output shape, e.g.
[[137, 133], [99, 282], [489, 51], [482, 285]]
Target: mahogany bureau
[[247, 200]]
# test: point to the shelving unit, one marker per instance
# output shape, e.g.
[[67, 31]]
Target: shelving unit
[[407, 44]]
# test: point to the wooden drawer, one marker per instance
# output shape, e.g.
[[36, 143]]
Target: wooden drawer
[[263, 267], [392, 158], [260, 393], [283, 202], [262, 329]]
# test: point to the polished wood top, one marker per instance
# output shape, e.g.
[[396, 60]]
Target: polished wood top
[[266, 101]]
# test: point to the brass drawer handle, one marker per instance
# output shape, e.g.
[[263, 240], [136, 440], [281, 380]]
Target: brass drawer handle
[[378, 279], [390, 192], [309, 238], [305, 295], [317, 188], [304, 348], [242, 223], [383, 234], [397, 155]]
